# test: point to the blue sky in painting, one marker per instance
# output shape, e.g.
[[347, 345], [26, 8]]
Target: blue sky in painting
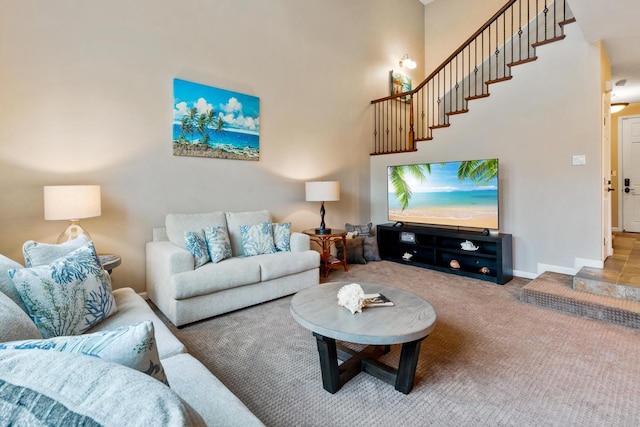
[[444, 178], [240, 113]]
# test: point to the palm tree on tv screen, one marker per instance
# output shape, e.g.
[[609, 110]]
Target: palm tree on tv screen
[[478, 171]]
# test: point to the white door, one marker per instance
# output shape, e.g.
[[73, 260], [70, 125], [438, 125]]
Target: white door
[[607, 248], [631, 174]]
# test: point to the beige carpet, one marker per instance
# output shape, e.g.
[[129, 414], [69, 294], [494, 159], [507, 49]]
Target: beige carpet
[[491, 361]]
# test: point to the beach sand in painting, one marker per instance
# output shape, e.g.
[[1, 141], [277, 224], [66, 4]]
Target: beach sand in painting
[[221, 152], [477, 216]]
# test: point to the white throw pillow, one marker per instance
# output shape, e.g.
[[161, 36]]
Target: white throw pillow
[[68, 296], [132, 346], [36, 253], [257, 239], [42, 387]]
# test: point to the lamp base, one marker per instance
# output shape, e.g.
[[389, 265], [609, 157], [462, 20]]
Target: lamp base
[[323, 231], [72, 232]]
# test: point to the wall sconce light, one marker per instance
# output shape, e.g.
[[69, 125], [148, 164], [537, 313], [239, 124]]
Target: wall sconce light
[[322, 191], [407, 62], [71, 202], [618, 106]]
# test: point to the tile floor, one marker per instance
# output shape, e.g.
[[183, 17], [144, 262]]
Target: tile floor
[[620, 276]]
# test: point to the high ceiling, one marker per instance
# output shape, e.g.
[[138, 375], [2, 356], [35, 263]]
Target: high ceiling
[[617, 24]]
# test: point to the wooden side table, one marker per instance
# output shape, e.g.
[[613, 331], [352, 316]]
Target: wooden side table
[[325, 240], [109, 261]]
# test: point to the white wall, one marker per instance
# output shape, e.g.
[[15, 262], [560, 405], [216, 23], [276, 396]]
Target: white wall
[[86, 96], [534, 124]]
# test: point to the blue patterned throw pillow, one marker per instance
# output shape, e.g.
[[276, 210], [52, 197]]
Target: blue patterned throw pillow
[[218, 243], [133, 346], [69, 295], [257, 239], [282, 236], [196, 244]]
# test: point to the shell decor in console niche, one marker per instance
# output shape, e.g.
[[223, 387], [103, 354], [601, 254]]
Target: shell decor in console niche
[[351, 297]]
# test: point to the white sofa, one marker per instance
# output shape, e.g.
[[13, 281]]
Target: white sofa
[[186, 294], [110, 394]]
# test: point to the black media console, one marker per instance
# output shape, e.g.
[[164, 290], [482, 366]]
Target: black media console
[[485, 257]]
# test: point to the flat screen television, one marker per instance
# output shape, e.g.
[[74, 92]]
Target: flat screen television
[[455, 194]]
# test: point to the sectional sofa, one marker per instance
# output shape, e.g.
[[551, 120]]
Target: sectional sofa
[[42, 386]]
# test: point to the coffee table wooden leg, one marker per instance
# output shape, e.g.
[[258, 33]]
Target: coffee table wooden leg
[[328, 363], [407, 366]]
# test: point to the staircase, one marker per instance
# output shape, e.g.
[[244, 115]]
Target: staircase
[[508, 38]]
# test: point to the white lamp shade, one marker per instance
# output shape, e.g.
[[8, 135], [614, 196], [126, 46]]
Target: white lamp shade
[[322, 191], [71, 202]]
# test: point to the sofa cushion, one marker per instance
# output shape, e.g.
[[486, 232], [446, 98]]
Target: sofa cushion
[[364, 230], [355, 250], [257, 239], [36, 254], [218, 243], [273, 266], [230, 273], [68, 296], [132, 309], [178, 224], [236, 219], [6, 284], [133, 346], [16, 325], [282, 236], [370, 249], [51, 388], [196, 386], [196, 244]]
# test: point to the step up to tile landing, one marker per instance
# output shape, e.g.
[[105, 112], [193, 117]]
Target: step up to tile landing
[[555, 291], [605, 282]]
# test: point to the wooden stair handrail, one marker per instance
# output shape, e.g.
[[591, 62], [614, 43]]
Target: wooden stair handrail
[[462, 47]]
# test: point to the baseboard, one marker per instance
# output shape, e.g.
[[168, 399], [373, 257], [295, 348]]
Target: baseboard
[[583, 262], [524, 274], [556, 269], [578, 264]]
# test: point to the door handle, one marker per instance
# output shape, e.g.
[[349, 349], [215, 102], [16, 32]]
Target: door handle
[[627, 190], [611, 189]]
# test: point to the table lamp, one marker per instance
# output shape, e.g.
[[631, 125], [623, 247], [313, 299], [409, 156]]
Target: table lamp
[[71, 202], [322, 191]]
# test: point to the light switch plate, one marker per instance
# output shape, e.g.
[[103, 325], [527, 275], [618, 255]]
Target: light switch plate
[[579, 159]]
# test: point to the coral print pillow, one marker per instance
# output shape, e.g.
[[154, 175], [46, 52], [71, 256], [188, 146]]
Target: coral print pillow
[[257, 239], [133, 346], [68, 296], [282, 236]]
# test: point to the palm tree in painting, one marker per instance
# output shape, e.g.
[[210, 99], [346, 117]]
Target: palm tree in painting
[[193, 122], [187, 124], [398, 174], [478, 171]]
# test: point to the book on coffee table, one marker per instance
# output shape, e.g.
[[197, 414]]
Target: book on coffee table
[[376, 300]]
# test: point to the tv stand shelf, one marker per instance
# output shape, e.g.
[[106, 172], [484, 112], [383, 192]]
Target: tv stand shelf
[[439, 249]]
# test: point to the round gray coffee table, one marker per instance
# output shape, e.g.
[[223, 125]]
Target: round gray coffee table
[[407, 322]]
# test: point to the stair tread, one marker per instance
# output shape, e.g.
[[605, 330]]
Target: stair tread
[[452, 113]]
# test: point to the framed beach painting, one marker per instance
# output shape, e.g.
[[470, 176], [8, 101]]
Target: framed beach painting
[[213, 122], [400, 83]]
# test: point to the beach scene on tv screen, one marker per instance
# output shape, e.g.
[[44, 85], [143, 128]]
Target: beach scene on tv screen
[[463, 194]]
